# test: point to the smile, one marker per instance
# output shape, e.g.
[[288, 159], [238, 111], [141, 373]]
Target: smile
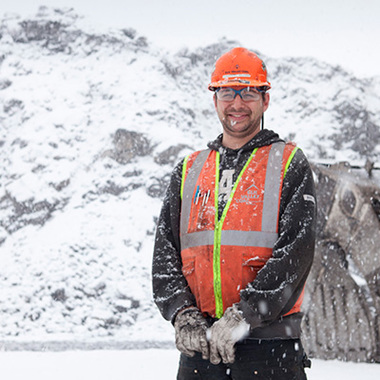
[[237, 117]]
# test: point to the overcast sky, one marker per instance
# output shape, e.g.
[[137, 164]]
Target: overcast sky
[[345, 32]]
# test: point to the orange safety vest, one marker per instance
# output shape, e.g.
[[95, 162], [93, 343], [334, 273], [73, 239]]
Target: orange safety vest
[[221, 257]]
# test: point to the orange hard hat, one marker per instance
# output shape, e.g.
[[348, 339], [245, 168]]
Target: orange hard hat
[[239, 67]]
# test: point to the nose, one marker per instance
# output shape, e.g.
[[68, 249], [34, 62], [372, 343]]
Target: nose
[[238, 100]]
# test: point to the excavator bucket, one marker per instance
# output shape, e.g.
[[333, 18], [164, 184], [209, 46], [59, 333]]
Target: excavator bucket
[[342, 298]]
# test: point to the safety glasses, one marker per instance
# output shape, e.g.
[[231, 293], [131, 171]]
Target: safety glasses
[[248, 94]]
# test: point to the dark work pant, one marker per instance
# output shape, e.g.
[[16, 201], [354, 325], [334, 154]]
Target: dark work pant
[[254, 359]]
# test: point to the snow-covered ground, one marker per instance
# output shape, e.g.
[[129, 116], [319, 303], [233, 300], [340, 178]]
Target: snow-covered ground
[[139, 364]]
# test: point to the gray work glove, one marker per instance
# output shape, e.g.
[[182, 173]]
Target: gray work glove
[[225, 333], [190, 332]]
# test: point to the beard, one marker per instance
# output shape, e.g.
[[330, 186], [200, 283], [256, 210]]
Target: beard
[[242, 126]]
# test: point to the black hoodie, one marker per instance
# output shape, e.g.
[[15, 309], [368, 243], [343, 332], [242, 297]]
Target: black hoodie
[[280, 282]]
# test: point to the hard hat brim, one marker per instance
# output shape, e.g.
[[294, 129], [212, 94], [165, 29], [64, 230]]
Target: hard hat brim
[[238, 82]]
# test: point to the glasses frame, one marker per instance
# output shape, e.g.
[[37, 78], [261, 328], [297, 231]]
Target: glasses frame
[[260, 91]]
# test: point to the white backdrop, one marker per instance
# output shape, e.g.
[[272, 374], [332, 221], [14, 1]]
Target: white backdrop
[[344, 32]]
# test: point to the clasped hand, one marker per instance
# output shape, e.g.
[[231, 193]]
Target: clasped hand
[[216, 343]]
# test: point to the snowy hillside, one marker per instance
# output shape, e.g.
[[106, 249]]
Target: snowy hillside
[[91, 125]]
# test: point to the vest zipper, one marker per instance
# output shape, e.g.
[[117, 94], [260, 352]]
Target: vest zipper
[[219, 310], [216, 253]]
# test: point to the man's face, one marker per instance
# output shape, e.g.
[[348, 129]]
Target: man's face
[[241, 119]]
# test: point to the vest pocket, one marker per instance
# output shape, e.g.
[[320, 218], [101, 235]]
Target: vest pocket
[[198, 272], [250, 266]]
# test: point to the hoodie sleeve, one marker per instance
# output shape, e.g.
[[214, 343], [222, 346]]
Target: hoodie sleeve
[[171, 292], [280, 282]]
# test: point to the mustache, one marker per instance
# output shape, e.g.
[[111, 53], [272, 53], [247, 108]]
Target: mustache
[[237, 110]]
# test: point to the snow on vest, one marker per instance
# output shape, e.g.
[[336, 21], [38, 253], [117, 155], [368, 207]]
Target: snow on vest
[[221, 257]]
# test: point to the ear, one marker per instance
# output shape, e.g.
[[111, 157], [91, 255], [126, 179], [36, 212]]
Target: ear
[[266, 99]]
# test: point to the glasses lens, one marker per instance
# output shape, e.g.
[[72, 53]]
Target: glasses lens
[[226, 94], [250, 95]]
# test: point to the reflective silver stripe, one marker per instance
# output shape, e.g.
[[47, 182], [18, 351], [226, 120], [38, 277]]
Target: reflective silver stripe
[[230, 237], [189, 188], [272, 188], [249, 238], [196, 239]]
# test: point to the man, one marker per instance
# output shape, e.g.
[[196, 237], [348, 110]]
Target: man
[[235, 240]]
